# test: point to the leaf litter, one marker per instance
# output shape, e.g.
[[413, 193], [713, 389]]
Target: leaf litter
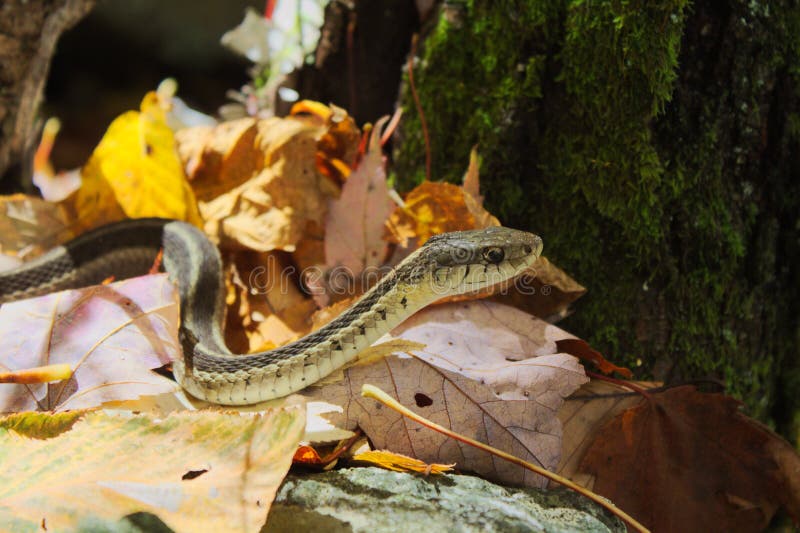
[[271, 186]]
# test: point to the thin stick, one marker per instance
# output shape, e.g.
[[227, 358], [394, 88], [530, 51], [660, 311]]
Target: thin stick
[[370, 391], [418, 105]]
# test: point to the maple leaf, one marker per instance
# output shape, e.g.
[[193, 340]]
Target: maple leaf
[[134, 172], [683, 460], [197, 471], [109, 335], [509, 404]]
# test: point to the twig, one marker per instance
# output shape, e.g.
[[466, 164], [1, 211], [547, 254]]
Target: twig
[[418, 105], [370, 391]]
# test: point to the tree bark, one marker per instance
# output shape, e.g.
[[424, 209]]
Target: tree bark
[[654, 147], [29, 31]]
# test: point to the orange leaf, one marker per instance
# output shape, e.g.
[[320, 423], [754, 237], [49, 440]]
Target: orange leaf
[[581, 349], [401, 463]]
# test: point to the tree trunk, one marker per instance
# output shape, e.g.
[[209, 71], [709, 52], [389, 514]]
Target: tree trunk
[[654, 147], [29, 31]]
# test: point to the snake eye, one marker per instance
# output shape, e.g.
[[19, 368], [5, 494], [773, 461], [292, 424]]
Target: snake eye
[[494, 254]]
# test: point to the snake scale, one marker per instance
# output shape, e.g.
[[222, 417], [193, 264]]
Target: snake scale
[[447, 264]]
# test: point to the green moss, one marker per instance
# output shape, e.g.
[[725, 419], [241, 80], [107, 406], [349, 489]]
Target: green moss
[[646, 187]]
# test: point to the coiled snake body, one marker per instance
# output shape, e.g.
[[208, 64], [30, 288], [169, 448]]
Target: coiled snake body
[[448, 264]]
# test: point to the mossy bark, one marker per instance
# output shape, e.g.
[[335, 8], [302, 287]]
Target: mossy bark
[[654, 146]]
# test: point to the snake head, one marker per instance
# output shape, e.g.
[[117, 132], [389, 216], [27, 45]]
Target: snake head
[[469, 261]]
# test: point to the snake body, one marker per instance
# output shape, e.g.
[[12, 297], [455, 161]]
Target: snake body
[[448, 264]]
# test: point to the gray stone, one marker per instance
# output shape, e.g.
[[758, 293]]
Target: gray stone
[[375, 500]]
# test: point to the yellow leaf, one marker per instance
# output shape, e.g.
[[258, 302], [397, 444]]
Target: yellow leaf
[[135, 172], [197, 471], [401, 463]]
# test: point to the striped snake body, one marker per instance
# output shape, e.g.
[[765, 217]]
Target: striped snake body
[[448, 264]]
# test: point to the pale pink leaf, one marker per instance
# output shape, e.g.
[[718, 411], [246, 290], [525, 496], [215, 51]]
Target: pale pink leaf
[[110, 335], [355, 221], [500, 383]]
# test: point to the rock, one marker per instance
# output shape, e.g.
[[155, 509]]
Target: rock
[[375, 500]]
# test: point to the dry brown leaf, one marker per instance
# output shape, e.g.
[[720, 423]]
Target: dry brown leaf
[[683, 460], [265, 307], [583, 415], [527, 428], [471, 182], [110, 335], [30, 226], [197, 471], [545, 291], [271, 209], [220, 158]]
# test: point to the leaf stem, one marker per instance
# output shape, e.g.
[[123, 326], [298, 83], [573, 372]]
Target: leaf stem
[[370, 391]]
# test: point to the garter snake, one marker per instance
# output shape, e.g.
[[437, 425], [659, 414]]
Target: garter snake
[[447, 264]]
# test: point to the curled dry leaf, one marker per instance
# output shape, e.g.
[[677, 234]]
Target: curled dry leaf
[[683, 460], [30, 226], [197, 471], [401, 463], [110, 335], [259, 181], [265, 307], [508, 403]]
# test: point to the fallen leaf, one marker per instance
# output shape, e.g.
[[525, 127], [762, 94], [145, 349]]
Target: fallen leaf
[[110, 335], [134, 172], [430, 208], [221, 157], [354, 226], [511, 352], [265, 307], [583, 414], [684, 460], [509, 404], [197, 471], [272, 208], [401, 463], [544, 290], [581, 349], [29, 226]]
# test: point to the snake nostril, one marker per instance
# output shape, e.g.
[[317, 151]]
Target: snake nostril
[[528, 249]]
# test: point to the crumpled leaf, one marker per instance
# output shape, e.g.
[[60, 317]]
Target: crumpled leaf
[[110, 335], [29, 226], [685, 460], [272, 208], [401, 463], [431, 208], [197, 471], [134, 172], [354, 226], [510, 405], [434, 207], [265, 309]]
